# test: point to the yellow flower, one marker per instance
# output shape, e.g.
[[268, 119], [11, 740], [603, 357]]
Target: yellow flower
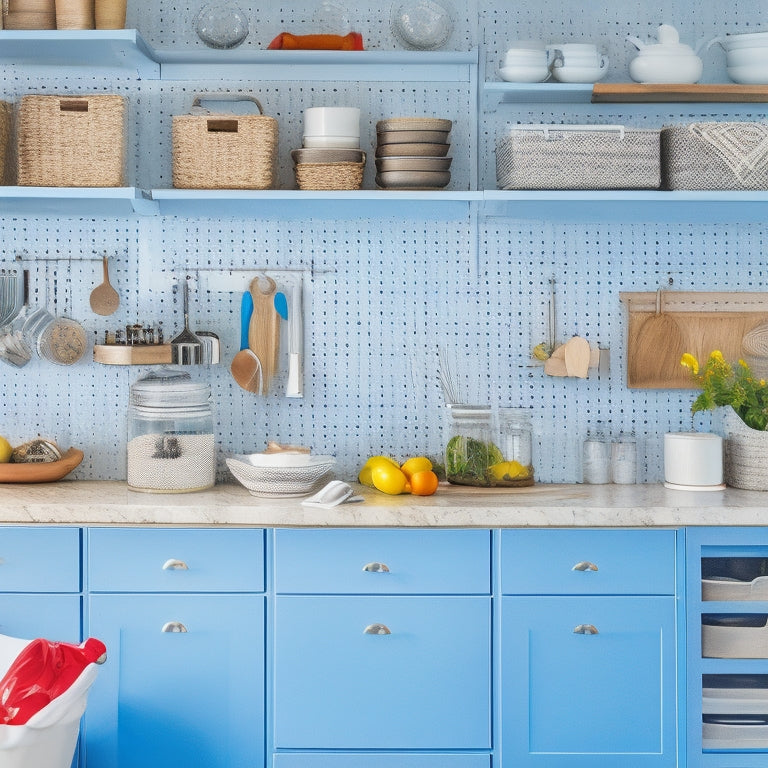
[[689, 361], [717, 355]]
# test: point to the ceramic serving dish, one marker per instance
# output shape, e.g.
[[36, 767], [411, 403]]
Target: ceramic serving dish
[[412, 150]]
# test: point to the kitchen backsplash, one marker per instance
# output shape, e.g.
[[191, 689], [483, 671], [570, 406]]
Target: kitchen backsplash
[[380, 294]]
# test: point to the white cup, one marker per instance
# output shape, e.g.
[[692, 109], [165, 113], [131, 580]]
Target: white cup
[[693, 460], [332, 121]]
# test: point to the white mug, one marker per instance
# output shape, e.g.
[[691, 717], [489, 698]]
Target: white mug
[[577, 63]]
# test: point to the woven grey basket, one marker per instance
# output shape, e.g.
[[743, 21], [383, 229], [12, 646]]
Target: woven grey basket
[[746, 453], [715, 155], [578, 157]]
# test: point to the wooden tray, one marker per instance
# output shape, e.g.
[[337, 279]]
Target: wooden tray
[[43, 472], [667, 92], [707, 321], [139, 354]]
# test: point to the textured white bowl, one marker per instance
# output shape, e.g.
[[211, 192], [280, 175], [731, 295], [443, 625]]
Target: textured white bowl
[[277, 481], [755, 74], [576, 74], [524, 74]]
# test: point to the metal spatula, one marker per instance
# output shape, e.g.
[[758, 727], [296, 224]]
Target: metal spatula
[[186, 348]]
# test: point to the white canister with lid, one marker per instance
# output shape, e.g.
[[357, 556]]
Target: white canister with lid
[[693, 461]]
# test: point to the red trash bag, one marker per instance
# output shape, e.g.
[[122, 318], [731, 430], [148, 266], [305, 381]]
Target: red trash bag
[[42, 671]]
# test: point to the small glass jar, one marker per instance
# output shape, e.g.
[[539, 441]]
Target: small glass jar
[[471, 448], [596, 456], [171, 443], [516, 444], [624, 459]]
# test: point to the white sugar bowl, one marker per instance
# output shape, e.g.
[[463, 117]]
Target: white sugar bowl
[[667, 61]]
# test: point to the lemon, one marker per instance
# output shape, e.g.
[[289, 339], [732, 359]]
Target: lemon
[[388, 479], [508, 470], [364, 478], [6, 449], [541, 351], [375, 460], [416, 464]]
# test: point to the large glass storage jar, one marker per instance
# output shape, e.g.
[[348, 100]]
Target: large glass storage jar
[[171, 442], [516, 443]]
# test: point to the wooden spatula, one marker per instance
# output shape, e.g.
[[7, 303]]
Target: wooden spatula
[[264, 330]]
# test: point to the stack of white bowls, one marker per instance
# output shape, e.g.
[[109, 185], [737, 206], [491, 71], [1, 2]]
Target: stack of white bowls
[[746, 57], [412, 153], [526, 61]]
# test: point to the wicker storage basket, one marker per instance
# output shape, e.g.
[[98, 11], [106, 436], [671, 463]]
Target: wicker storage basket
[[6, 143], [74, 14], [72, 141], [223, 150], [725, 155], [746, 453], [578, 157], [330, 175]]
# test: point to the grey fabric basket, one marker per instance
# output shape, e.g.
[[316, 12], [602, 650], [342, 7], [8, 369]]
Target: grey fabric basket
[[578, 157], [715, 155]]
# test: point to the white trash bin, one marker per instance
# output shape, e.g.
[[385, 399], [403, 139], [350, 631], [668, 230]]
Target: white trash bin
[[48, 739]]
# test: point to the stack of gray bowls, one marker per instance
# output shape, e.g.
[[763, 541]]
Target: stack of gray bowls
[[412, 153]]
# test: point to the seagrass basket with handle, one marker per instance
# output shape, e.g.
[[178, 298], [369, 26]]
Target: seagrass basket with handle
[[223, 150], [72, 141]]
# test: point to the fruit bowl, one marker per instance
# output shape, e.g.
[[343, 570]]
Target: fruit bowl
[[41, 472]]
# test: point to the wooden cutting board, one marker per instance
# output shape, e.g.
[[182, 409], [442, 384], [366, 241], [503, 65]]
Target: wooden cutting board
[[672, 92], [707, 321]]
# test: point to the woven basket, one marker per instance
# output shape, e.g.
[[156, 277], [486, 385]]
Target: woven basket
[[6, 143], [746, 453], [222, 150], [109, 14], [72, 141], [330, 175], [74, 14], [725, 155], [578, 157]]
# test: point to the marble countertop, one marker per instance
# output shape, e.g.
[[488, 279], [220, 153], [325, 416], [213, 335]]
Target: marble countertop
[[97, 503]]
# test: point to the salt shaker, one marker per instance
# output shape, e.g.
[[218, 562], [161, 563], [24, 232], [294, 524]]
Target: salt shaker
[[596, 456]]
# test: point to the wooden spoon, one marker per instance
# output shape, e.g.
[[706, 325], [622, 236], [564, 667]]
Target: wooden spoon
[[246, 367], [264, 330], [104, 298]]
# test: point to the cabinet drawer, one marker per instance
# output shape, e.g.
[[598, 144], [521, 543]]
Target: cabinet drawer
[[587, 562], [373, 760], [176, 560], [382, 561], [39, 559], [423, 685], [56, 617]]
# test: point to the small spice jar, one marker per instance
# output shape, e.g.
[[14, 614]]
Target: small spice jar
[[171, 442], [624, 459]]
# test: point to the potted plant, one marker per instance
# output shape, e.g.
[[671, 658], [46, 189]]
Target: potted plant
[[743, 400]]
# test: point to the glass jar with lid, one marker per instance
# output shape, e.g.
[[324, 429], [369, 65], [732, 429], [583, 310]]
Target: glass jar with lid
[[516, 444], [171, 441], [471, 449]]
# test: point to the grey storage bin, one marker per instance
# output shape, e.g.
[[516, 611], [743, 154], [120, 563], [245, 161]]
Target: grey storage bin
[[578, 157], [715, 155]]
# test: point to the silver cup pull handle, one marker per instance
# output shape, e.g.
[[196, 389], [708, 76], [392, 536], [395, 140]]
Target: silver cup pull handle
[[584, 565], [376, 567], [585, 629], [175, 565], [377, 629], [173, 626]]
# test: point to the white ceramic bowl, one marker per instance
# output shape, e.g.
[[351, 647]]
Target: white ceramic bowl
[[332, 142], [576, 74], [280, 481], [516, 57], [754, 74], [524, 74], [748, 40], [744, 57], [332, 121]]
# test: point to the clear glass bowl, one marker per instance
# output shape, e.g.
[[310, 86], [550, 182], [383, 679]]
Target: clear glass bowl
[[423, 25], [221, 25]]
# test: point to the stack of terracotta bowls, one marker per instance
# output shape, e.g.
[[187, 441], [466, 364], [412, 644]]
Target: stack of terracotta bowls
[[330, 157], [412, 153]]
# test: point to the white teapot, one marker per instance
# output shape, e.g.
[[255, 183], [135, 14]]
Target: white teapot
[[667, 61]]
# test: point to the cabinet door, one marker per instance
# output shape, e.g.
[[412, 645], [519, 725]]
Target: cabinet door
[[582, 699], [164, 697], [423, 684], [54, 617]]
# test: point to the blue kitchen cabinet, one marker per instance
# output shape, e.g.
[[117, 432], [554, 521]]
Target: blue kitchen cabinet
[[382, 641], [184, 681], [727, 647], [588, 680], [40, 583]]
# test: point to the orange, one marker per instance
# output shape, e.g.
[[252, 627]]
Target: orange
[[423, 483]]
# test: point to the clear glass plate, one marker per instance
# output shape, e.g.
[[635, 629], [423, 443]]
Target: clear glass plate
[[221, 25]]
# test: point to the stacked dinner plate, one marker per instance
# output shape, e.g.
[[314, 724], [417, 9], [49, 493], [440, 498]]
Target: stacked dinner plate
[[412, 153]]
